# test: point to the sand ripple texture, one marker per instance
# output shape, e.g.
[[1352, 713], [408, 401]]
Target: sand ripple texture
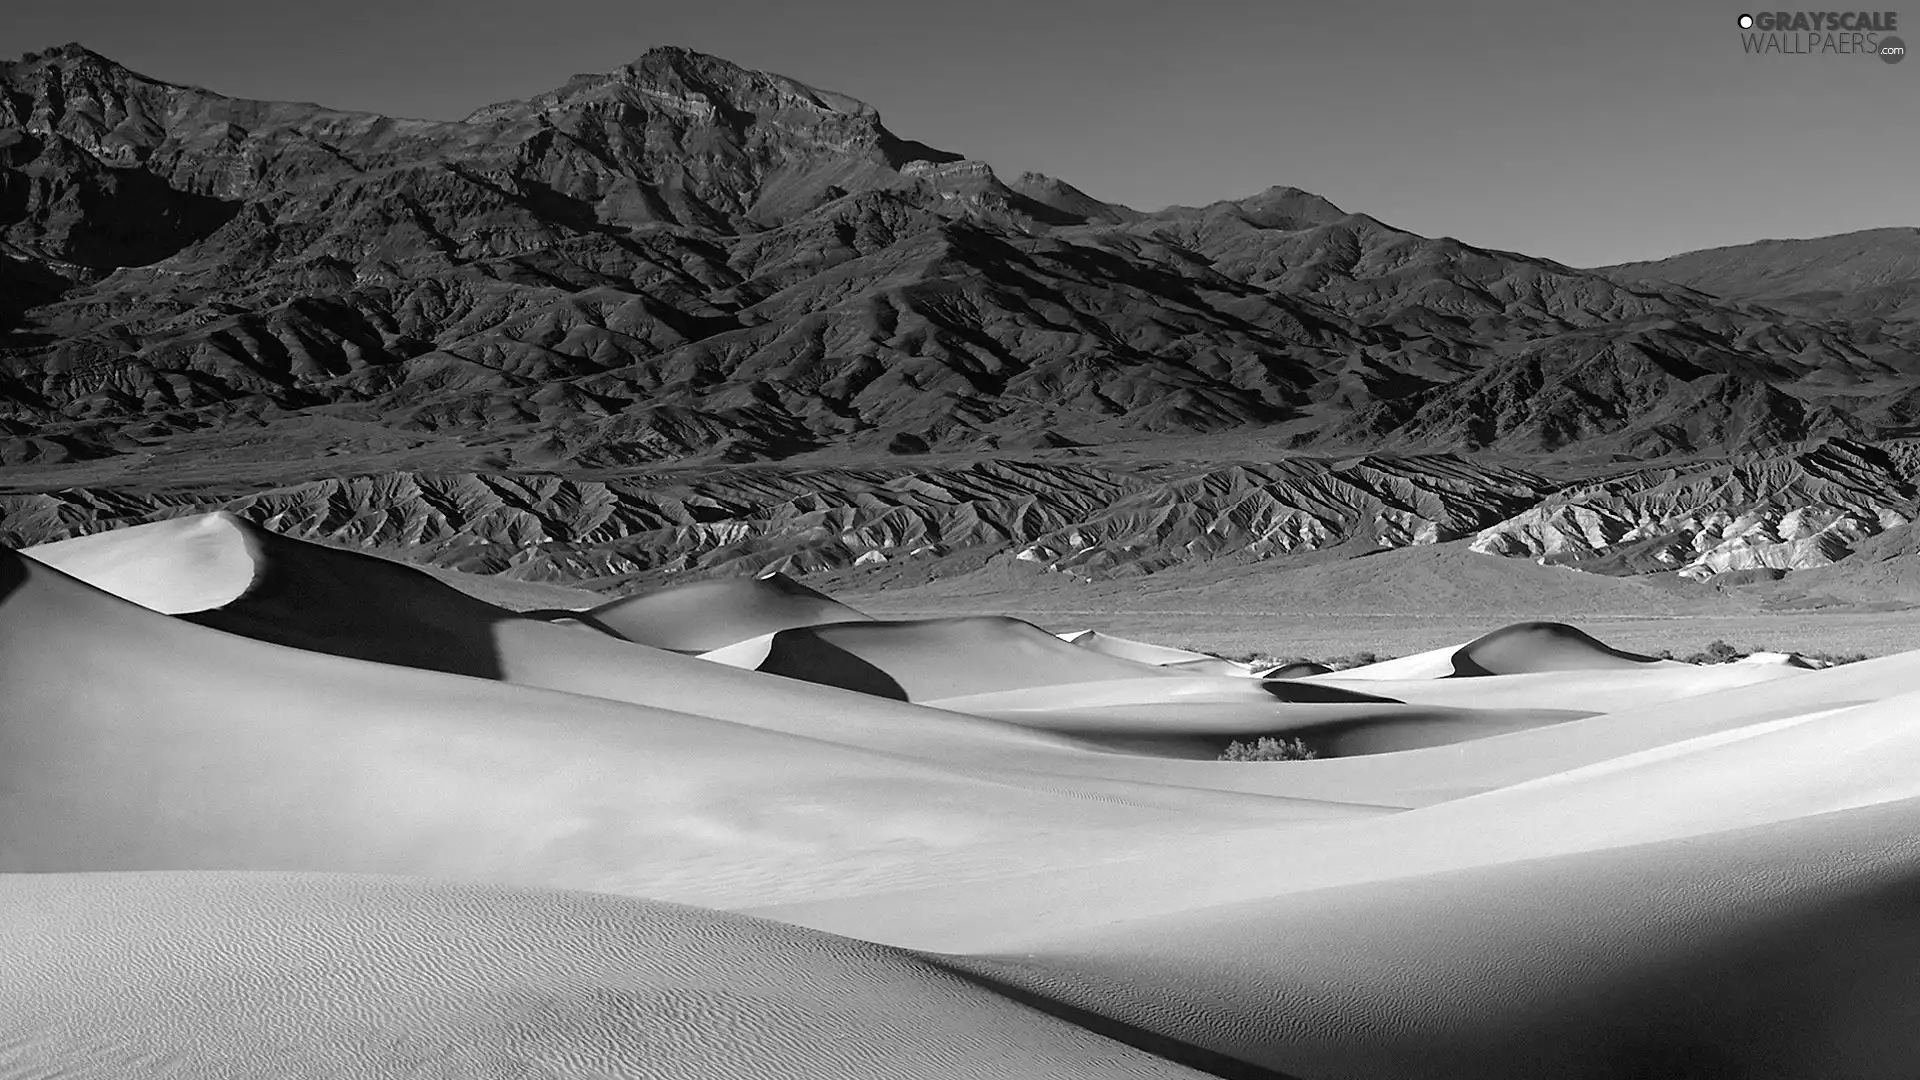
[[251, 975]]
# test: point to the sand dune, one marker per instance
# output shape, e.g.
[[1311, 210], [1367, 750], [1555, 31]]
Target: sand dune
[[706, 615], [1591, 690], [230, 575], [920, 660], [1803, 765], [1543, 646], [119, 975], [186, 564], [1516, 649], [1144, 652], [386, 612], [130, 740], [990, 850], [1785, 951], [1211, 665]]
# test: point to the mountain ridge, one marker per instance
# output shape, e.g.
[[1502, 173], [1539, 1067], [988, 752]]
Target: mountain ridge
[[683, 262]]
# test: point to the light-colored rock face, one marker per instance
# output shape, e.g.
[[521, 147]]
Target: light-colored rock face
[[1784, 512]]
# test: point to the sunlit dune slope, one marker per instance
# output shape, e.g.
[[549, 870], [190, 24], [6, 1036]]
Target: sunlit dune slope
[[1127, 649], [180, 565], [1744, 774], [246, 975], [705, 615], [1542, 646]]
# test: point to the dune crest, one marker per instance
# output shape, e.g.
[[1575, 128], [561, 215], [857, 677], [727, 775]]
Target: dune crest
[[177, 566]]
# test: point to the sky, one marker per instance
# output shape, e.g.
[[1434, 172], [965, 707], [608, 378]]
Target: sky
[[1588, 133]]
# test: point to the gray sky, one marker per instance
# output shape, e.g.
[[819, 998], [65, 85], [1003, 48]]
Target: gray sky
[[1588, 133]]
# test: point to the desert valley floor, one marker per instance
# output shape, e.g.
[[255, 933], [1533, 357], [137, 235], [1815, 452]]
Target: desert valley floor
[[274, 808]]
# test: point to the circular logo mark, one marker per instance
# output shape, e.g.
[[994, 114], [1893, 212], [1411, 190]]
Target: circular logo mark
[[1892, 50], [1746, 22]]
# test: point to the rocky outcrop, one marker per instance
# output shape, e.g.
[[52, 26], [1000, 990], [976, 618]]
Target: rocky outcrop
[[1789, 511]]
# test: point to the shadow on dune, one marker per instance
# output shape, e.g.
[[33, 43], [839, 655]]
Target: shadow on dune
[[1317, 694], [358, 606], [222, 572], [926, 659], [797, 654], [13, 573], [1191, 1055]]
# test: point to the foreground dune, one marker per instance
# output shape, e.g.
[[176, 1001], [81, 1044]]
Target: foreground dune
[[117, 975], [1785, 951]]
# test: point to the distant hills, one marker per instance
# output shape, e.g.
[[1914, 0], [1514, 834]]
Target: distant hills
[[1859, 276], [683, 263]]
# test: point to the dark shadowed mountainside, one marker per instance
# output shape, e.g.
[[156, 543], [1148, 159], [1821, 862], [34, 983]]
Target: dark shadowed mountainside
[[687, 316]]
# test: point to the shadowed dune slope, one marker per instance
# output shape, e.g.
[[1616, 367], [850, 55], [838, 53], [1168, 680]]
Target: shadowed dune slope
[[1785, 951], [1517, 649], [1541, 646], [231, 575], [705, 615], [924, 659], [215, 974]]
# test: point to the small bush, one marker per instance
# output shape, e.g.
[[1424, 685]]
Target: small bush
[[1269, 749], [1827, 659], [1719, 652]]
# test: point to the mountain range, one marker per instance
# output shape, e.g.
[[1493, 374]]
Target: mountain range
[[687, 316]]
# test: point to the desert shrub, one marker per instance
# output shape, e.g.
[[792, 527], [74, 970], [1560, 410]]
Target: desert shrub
[[1827, 659], [1719, 652], [1716, 652], [1269, 749]]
